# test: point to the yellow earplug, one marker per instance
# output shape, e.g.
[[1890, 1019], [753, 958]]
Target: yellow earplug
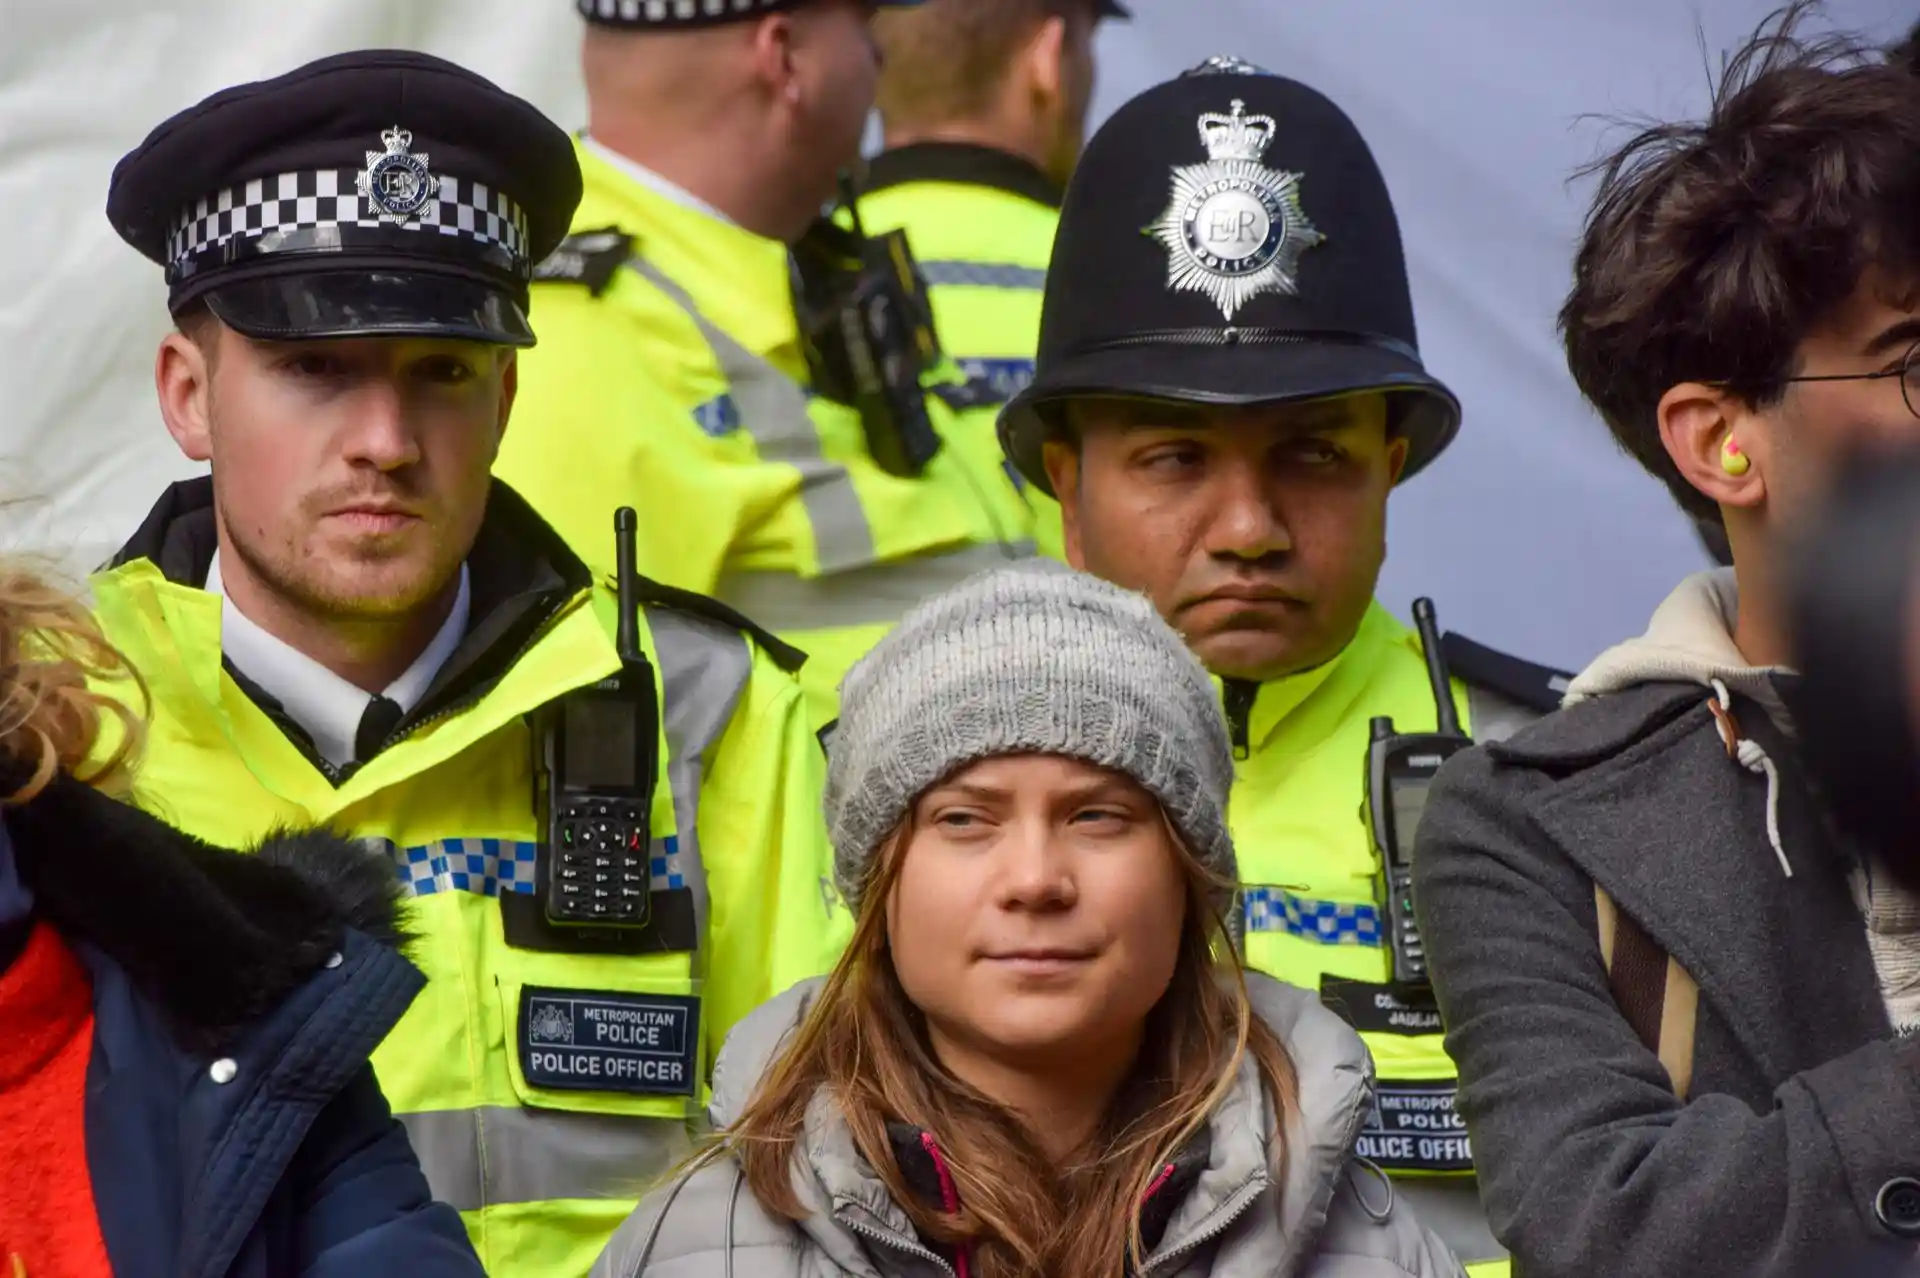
[[1732, 460]]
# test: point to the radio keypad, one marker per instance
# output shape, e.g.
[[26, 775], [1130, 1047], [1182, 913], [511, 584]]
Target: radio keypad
[[601, 866]]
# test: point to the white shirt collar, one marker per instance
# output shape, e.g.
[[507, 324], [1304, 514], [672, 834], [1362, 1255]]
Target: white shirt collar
[[653, 181], [314, 697]]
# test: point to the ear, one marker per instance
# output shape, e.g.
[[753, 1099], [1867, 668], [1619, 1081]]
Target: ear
[[775, 39], [1061, 461], [509, 388], [1696, 422], [1398, 448], [1046, 60], [183, 378]]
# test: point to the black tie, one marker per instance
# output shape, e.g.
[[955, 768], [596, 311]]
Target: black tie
[[377, 723]]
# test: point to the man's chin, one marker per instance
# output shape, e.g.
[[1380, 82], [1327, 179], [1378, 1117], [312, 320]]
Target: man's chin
[[1256, 656]]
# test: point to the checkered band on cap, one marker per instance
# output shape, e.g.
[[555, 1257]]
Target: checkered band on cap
[[324, 210], [639, 13]]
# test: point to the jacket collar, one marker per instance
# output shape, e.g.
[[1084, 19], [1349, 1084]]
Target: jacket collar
[[213, 938], [1335, 1079], [963, 164], [1314, 702], [739, 280], [522, 577], [1650, 805]]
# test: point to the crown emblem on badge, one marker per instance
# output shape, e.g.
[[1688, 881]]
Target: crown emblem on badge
[[397, 183], [1238, 136], [1234, 228]]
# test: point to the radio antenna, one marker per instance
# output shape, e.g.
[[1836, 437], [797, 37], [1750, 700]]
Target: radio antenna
[[1446, 712], [626, 526]]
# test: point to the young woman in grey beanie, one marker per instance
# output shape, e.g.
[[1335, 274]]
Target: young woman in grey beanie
[[1040, 1057]]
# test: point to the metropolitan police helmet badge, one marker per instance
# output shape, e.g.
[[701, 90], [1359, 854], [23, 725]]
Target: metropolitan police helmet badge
[[398, 184], [1234, 228]]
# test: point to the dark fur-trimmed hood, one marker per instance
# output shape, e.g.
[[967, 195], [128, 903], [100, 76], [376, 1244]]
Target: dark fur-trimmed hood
[[213, 937]]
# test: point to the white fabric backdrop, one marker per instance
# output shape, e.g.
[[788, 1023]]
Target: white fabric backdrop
[[1532, 533]]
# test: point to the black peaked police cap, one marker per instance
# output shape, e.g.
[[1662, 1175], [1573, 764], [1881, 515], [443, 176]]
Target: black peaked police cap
[[685, 15], [378, 193], [1227, 239]]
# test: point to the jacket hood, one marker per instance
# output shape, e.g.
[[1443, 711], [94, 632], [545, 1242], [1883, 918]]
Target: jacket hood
[[214, 938], [1688, 640], [1335, 1089]]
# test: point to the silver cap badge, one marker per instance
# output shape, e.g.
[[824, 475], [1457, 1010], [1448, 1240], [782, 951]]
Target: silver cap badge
[[1234, 228], [396, 183]]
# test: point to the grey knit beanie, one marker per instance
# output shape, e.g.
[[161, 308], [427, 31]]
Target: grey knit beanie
[[1031, 658]]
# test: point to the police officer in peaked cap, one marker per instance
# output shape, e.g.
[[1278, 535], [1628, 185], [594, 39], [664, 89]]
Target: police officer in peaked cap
[[350, 623], [381, 193], [1228, 387]]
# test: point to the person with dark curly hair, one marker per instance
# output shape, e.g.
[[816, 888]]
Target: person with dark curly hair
[[1682, 1005]]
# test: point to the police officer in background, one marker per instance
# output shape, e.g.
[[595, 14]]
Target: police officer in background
[[1223, 405], [609, 824], [692, 368], [984, 104]]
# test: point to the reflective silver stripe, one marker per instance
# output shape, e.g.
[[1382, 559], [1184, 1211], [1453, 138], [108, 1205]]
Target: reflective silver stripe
[[773, 408], [872, 596], [482, 1157], [704, 668], [485, 1157], [1492, 717], [982, 275]]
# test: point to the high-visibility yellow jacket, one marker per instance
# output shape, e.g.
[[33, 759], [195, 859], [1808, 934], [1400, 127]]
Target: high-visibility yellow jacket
[[1311, 904], [981, 223], [543, 1082], [669, 377]]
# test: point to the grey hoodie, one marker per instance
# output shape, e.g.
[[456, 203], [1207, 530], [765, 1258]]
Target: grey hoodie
[[1332, 1217]]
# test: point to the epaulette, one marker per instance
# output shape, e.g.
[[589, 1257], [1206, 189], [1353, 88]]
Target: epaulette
[[649, 591], [591, 258], [1534, 686]]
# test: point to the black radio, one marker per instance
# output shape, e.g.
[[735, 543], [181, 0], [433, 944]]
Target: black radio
[[1400, 769], [596, 760], [866, 325]]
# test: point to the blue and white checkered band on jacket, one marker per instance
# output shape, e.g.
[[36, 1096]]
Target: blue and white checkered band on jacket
[[324, 212], [667, 12]]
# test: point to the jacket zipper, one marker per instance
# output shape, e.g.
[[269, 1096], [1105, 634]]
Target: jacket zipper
[[1238, 1204], [949, 1199], [888, 1238], [1239, 696], [1225, 1219], [474, 698]]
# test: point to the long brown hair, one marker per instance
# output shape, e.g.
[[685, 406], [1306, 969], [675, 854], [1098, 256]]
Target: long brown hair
[[51, 717], [1020, 1216]]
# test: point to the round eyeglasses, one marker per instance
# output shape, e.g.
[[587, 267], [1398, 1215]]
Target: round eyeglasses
[[1908, 373]]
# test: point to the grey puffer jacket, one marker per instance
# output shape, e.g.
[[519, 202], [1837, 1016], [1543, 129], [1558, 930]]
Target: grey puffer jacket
[[1331, 1218]]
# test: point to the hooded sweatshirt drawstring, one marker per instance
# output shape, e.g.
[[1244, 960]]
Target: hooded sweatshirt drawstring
[[1750, 755]]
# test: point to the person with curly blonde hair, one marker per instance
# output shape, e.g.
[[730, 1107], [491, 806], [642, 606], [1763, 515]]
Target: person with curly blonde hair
[[184, 1031]]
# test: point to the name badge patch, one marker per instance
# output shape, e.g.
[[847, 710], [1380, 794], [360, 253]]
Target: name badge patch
[[1395, 1008], [601, 1041], [1413, 1127]]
